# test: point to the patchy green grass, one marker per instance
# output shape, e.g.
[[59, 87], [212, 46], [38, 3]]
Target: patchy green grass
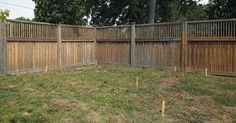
[[108, 94]]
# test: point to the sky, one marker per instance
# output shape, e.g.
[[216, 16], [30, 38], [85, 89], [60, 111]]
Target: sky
[[25, 8], [15, 12]]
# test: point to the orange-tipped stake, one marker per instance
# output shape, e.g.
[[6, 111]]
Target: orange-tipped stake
[[163, 108], [206, 72], [46, 69], [137, 81]]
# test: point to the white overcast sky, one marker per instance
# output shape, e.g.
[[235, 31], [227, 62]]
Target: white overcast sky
[[25, 8]]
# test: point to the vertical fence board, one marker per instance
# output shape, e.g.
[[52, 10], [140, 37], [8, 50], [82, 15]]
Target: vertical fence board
[[3, 47]]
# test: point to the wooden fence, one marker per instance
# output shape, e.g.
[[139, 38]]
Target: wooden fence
[[33, 46], [186, 46]]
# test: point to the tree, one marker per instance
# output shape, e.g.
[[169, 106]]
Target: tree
[[177, 10], [186, 10], [60, 11], [221, 9], [151, 11], [116, 12], [4, 14], [22, 18]]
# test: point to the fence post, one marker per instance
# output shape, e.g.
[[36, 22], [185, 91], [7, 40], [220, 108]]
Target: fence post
[[95, 44], [59, 41], [132, 46], [3, 45], [184, 43]]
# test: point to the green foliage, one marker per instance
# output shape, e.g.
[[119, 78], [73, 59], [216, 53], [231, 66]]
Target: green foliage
[[221, 9], [120, 12], [22, 18], [177, 10], [227, 100], [60, 11], [110, 12], [187, 97], [106, 101], [4, 14], [197, 88], [185, 10]]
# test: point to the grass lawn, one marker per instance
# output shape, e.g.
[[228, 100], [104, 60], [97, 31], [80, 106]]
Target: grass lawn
[[109, 94]]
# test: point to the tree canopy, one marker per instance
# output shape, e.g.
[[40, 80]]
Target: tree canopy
[[110, 12], [22, 18], [174, 10], [120, 12], [221, 9], [4, 14], [60, 11]]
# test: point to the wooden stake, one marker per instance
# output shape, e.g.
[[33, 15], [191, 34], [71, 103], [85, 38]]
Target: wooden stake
[[137, 81], [46, 69], [175, 69], [206, 72], [163, 108]]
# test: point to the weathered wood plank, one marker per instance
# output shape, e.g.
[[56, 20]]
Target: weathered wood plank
[[132, 46], [184, 46], [3, 47], [59, 43]]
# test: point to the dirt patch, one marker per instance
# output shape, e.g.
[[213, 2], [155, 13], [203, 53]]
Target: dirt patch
[[34, 92], [75, 105], [168, 81], [69, 120], [82, 68], [164, 84], [174, 96], [71, 104], [12, 103], [93, 117], [133, 95], [117, 119], [223, 119], [6, 86], [75, 84], [146, 85]]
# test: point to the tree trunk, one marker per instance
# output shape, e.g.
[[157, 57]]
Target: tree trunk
[[151, 10]]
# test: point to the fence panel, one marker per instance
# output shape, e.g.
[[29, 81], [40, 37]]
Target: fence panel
[[33, 46], [219, 30], [113, 45], [211, 45], [78, 46], [158, 45], [163, 31], [30, 31], [31, 56], [217, 57], [30, 46]]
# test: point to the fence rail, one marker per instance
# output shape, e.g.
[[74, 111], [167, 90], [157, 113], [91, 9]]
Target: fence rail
[[187, 46]]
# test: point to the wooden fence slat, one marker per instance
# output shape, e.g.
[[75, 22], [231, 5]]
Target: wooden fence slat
[[3, 46], [132, 48]]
